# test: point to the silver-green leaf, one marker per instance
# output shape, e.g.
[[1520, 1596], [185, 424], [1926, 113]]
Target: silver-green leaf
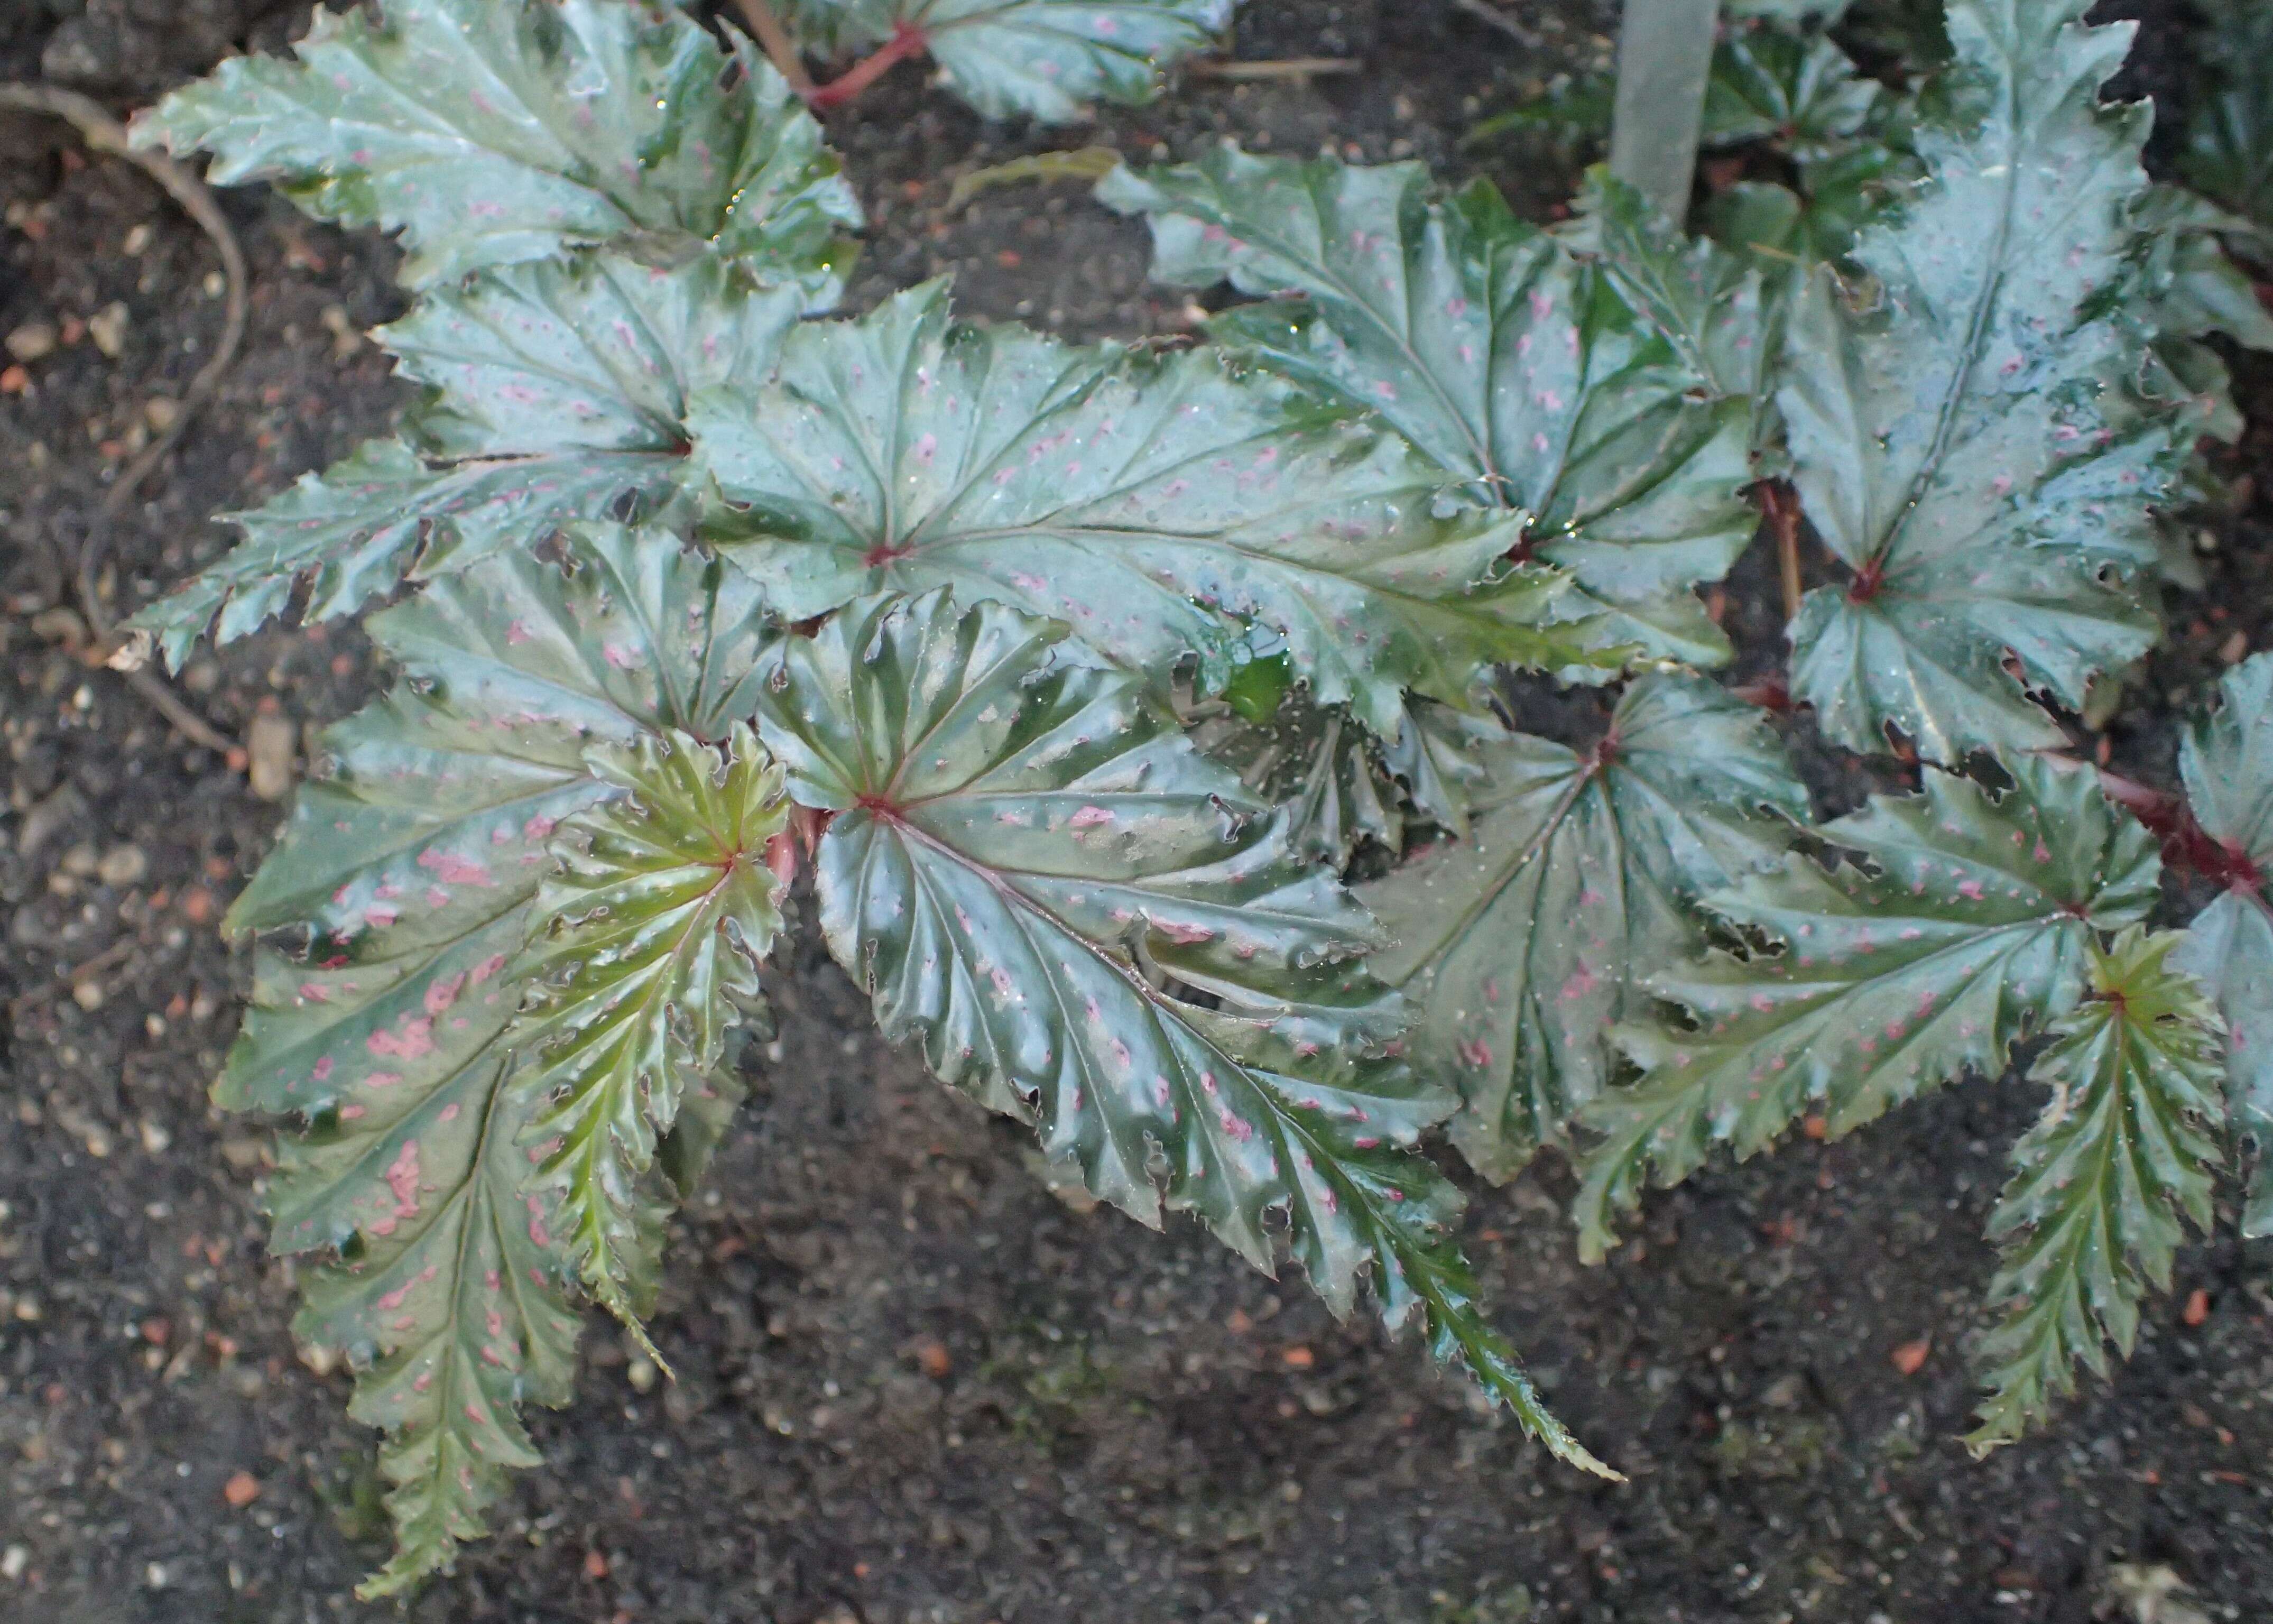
[[1162, 506], [1045, 59], [1087, 924], [555, 394], [495, 132], [1525, 941], [1967, 922], [1963, 429], [413, 865], [1562, 383], [2226, 761]]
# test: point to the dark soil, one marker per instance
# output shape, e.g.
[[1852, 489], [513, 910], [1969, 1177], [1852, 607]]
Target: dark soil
[[913, 1384]]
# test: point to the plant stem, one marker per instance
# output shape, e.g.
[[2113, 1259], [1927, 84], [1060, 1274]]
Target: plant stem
[[1484, 11], [907, 40], [1665, 56], [1781, 504], [774, 41], [2185, 843], [1284, 67]]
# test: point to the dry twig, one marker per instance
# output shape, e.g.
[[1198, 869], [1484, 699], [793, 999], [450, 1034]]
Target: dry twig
[[103, 133]]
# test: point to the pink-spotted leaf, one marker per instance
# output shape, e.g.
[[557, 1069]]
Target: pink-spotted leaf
[[1087, 924], [495, 131], [1163, 506], [1967, 922], [412, 867], [1524, 943], [1563, 381], [1963, 429], [555, 393]]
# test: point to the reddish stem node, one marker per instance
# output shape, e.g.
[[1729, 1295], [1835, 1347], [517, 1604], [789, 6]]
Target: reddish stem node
[[1770, 693], [907, 40], [1867, 581], [2185, 843]]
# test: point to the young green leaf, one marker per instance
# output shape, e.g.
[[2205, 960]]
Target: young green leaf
[[1799, 90], [2229, 144], [413, 865], [2183, 270], [2226, 761], [1539, 375], [1521, 942], [1971, 920], [1088, 925], [2121, 1154], [1962, 433], [1042, 58], [1163, 506], [1843, 175], [556, 394], [1341, 787], [494, 132], [647, 941]]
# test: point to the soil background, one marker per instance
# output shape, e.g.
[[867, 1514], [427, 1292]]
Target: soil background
[[914, 1385]]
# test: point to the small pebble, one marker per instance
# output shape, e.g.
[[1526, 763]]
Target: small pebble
[[108, 327], [138, 239], [13, 1561], [82, 861], [1909, 1359], [88, 995], [161, 412], [155, 1139], [123, 866], [641, 1374], [269, 749], [241, 1490], [31, 341]]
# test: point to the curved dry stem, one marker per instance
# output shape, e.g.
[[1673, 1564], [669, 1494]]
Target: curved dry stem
[[105, 134]]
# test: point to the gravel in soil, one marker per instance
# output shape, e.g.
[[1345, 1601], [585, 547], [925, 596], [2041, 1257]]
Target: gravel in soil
[[913, 1384]]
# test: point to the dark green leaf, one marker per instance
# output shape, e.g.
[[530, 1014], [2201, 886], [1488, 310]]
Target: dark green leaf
[[1341, 785], [1522, 942], [650, 930], [413, 865], [1043, 58], [1964, 431], [1971, 921], [2184, 274], [2227, 763], [1033, 873], [492, 132], [556, 394], [1799, 90], [1163, 506], [1787, 233], [1574, 111], [1585, 388], [2229, 144], [2102, 1182]]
